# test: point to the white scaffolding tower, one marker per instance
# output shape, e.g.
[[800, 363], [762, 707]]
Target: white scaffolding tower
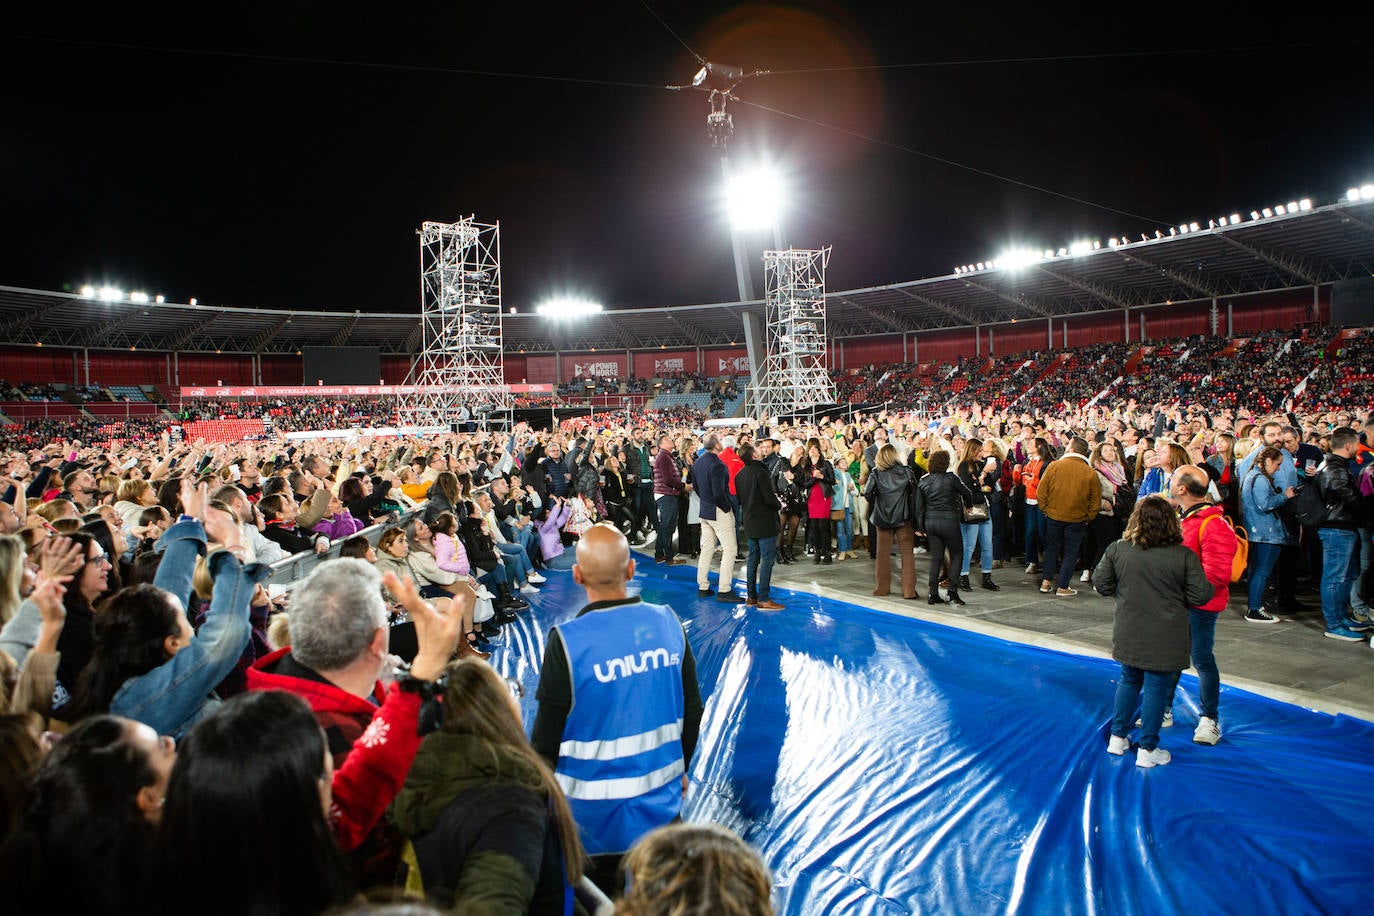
[[793, 377], [460, 363]]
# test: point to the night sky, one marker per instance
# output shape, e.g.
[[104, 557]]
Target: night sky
[[214, 167]]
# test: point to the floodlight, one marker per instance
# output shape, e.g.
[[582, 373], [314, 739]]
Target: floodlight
[[159, 298], [1017, 258], [1305, 204], [1267, 212], [1235, 219], [110, 293], [561, 308], [1254, 214], [1111, 242], [1280, 210], [1367, 191], [138, 297], [1080, 248], [193, 301], [1292, 206], [88, 291], [754, 198], [1353, 194]]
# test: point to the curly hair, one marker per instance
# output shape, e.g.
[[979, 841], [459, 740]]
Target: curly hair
[[694, 868], [1154, 523]]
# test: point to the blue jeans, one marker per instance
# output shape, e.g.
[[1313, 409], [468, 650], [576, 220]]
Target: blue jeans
[[564, 560], [1158, 690], [1262, 560], [1035, 532], [1202, 629], [494, 580], [1062, 542], [844, 531], [758, 570], [1340, 567], [979, 535], [516, 562], [667, 524], [1360, 605]]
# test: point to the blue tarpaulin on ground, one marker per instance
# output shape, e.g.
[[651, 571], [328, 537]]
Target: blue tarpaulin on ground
[[886, 765]]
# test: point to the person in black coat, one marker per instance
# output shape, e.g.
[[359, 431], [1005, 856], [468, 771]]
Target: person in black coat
[[759, 508], [787, 484], [939, 508]]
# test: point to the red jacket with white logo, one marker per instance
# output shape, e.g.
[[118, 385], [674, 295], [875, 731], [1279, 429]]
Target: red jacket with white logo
[[373, 745]]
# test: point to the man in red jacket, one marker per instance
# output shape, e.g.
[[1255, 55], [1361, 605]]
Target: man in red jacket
[[1207, 534], [339, 648]]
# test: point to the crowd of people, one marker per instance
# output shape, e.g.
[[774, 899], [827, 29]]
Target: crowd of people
[[145, 654]]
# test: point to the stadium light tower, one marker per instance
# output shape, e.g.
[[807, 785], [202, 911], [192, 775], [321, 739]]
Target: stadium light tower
[[460, 366]]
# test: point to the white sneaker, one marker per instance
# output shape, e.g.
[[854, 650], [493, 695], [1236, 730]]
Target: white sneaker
[[1168, 720], [1084, 577], [1207, 732], [1030, 568], [535, 578], [1155, 758], [528, 589], [1118, 746]]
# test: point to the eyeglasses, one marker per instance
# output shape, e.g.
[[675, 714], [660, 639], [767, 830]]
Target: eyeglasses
[[101, 557]]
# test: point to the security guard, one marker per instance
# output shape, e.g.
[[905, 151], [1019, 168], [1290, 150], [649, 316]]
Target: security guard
[[619, 708]]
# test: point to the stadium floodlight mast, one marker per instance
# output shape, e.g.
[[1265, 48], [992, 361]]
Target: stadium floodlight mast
[[460, 371]]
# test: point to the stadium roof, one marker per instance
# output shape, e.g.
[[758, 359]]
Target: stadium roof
[[1289, 251]]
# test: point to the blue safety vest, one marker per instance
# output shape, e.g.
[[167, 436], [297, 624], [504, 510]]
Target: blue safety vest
[[620, 763]]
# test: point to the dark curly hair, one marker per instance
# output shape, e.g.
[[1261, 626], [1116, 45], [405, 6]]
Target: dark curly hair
[[1154, 523], [939, 461]]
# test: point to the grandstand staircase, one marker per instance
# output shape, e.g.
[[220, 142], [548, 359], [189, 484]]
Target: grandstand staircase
[[1133, 361]]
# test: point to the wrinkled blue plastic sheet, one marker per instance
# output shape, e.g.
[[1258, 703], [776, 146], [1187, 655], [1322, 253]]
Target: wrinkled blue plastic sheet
[[884, 765]]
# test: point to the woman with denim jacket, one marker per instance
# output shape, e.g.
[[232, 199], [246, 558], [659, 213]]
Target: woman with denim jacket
[[148, 664], [1260, 499]]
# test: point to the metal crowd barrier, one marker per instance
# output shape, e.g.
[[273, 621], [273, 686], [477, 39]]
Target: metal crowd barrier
[[294, 569]]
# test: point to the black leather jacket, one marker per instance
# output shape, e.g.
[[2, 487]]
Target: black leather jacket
[[940, 495], [1340, 492], [887, 492]]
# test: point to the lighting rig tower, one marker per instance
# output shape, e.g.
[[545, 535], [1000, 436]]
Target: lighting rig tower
[[794, 376], [460, 363]]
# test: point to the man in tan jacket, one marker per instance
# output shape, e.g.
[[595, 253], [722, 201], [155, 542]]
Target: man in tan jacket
[[1069, 496]]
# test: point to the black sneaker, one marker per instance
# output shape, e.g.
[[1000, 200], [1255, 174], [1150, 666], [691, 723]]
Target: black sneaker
[[1255, 615], [704, 593]]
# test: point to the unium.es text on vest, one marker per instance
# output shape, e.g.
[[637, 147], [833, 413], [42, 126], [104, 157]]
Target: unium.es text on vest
[[627, 666]]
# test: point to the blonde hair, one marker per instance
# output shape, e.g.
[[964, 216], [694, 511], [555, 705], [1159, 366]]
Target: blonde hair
[[130, 491], [686, 869], [886, 457], [11, 575]]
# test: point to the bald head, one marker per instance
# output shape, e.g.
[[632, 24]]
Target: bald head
[[1189, 485], [603, 563]]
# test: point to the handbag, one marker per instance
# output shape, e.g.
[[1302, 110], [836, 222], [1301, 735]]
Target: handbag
[[975, 514], [837, 515]]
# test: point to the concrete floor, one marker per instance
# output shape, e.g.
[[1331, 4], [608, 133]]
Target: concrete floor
[[1289, 661]]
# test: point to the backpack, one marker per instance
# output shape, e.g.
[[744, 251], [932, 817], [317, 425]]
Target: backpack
[[1307, 507], [1242, 555]]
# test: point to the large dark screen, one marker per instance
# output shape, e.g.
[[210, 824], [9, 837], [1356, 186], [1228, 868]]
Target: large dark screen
[[342, 365], [1352, 302]]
